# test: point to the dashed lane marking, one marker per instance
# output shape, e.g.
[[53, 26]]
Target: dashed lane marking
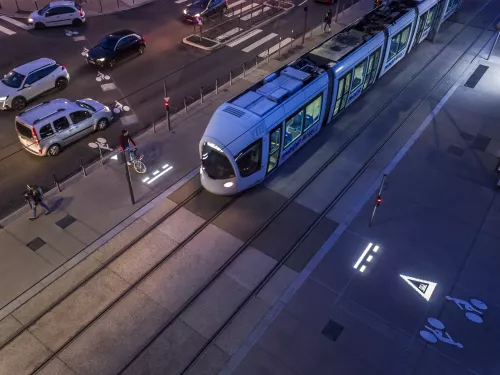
[[244, 37], [276, 47], [108, 87], [260, 42], [78, 38], [6, 31], [15, 22]]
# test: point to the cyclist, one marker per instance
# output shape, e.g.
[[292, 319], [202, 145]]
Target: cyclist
[[126, 143]]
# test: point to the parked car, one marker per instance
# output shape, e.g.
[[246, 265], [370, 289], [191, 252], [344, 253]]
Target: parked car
[[116, 46], [204, 9], [48, 127], [31, 80], [57, 13]]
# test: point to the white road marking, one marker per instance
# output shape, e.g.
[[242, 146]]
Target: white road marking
[[78, 38], [180, 1], [15, 22], [276, 47], [108, 87], [259, 42], [302, 3], [254, 14], [236, 3], [228, 34], [244, 37], [6, 31], [242, 10], [159, 175]]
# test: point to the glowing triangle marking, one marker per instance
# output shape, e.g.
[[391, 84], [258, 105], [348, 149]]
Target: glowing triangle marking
[[423, 287]]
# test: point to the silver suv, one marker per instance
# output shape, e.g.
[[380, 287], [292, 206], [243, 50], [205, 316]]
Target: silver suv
[[57, 13], [50, 126], [31, 80]]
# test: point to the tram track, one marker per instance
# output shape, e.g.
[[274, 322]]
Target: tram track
[[229, 261]]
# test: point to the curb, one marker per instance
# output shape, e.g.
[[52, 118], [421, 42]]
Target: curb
[[219, 45]]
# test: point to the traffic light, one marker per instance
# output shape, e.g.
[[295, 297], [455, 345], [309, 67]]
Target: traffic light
[[167, 102], [378, 201]]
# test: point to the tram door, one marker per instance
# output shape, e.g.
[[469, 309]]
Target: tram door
[[342, 92], [421, 25], [274, 149], [371, 72]]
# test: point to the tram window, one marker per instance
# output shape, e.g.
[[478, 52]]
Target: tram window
[[274, 149], [398, 42], [372, 68], [451, 5], [293, 128], [342, 92], [313, 111], [216, 164], [359, 73], [430, 17], [249, 160]]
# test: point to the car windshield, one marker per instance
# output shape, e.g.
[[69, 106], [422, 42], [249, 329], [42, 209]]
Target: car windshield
[[215, 163], [43, 10], [108, 43], [13, 79], [85, 106]]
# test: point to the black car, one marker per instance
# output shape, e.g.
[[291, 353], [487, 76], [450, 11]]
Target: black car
[[115, 47], [204, 9]]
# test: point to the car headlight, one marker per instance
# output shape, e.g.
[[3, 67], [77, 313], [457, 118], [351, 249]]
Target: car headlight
[[101, 59], [197, 15], [106, 109], [185, 11], [2, 98], [30, 20]]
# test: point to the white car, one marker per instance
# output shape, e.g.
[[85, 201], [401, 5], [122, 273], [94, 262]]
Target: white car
[[31, 80], [57, 13]]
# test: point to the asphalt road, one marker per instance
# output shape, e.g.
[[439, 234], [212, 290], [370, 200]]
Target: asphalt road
[[138, 81]]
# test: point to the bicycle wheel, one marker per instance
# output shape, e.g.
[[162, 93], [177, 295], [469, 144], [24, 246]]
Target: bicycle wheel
[[139, 166]]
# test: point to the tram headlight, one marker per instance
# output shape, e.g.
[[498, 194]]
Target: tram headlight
[[228, 184]]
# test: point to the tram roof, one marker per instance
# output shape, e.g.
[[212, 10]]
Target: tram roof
[[358, 33]]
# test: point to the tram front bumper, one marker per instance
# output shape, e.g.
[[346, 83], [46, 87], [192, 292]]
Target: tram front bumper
[[218, 187]]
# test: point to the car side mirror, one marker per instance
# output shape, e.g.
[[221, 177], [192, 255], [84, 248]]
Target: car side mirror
[[27, 85]]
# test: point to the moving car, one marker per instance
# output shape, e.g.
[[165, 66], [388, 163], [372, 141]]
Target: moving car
[[31, 80], [57, 13], [204, 9], [116, 46], [48, 127]]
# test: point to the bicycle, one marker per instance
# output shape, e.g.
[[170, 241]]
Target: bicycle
[[139, 166]]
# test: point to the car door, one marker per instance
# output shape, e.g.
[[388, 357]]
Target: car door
[[82, 122], [32, 86], [66, 15], [53, 17], [64, 131], [125, 47], [46, 80]]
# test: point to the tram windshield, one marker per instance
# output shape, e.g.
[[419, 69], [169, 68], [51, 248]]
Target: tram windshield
[[215, 163]]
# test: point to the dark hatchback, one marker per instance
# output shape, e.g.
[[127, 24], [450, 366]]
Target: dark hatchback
[[115, 47], [204, 9]]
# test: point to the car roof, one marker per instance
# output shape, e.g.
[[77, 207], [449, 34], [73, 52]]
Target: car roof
[[46, 110], [59, 3], [34, 65], [121, 33]]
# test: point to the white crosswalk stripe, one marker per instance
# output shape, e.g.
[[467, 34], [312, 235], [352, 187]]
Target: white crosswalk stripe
[[244, 37], [235, 4], [277, 46], [242, 10], [260, 42], [254, 14], [228, 34], [6, 31], [15, 22], [180, 1]]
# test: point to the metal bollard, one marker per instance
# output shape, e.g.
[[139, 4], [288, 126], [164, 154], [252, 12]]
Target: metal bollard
[[100, 155], [279, 49], [244, 70], [268, 55], [216, 85], [83, 167], [201, 95], [230, 77], [185, 106], [56, 182], [291, 41], [256, 61]]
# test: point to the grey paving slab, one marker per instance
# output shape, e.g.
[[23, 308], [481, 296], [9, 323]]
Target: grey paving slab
[[210, 363], [206, 204], [36, 305], [56, 367], [492, 220], [214, 306], [249, 212], [261, 362], [17, 259], [434, 363], [122, 239], [82, 232], [62, 322], [51, 255], [187, 270], [143, 256], [278, 284], [186, 190], [250, 268], [284, 231], [23, 355], [106, 346], [170, 353], [8, 326], [238, 330], [180, 225], [162, 208]]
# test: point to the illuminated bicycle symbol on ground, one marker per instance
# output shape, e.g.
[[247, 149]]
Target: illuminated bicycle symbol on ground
[[102, 77], [120, 108]]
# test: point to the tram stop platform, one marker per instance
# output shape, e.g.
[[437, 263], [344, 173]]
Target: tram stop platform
[[427, 300]]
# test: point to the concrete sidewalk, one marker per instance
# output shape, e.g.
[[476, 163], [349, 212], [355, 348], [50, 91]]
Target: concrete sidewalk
[[93, 209], [21, 8]]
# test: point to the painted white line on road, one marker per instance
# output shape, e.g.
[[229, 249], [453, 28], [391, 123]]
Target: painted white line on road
[[15, 22], [78, 38], [302, 3], [228, 34], [260, 42], [276, 47], [244, 37], [254, 14], [235, 4], [242, 10], [161, 174], [108, 87], [6, 31], [180, 1]]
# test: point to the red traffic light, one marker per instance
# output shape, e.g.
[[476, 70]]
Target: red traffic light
[[379, 200], [167, 100]]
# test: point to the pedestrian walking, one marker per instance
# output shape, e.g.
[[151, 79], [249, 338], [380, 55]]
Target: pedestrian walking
[[34, 197], [327, 21]]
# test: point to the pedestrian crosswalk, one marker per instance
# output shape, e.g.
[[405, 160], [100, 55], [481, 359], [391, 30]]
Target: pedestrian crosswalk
[[10, 26]]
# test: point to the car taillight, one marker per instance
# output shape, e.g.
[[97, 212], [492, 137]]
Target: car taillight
[[143, 39], [63, 67], [81, 13], [35, 139]]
